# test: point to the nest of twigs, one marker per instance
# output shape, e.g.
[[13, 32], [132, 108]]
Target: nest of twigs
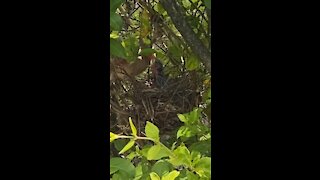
[[143, 102]]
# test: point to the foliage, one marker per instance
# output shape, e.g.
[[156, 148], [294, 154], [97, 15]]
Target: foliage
[[158, 161], [178, 33]]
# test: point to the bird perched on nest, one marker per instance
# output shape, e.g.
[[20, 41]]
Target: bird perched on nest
[[122, 69], [159, 78]]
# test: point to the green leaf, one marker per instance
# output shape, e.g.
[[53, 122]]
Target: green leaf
[[152, 131], [159, 8], [182, 156], [186, 3], [115, 4], [176, 52], [120, 164], [154, 176], [171, 176], [182, 118], [207, 3], [204, 147], [132, 155], [116, 49], [114, 35], [183, 131], [203, 167], [145, 27], [113, 136], [192, 63], [133, 128], [147, 51], [157, 152], [194, 115], [119, 175], [120, 143], [127, 147], [161, 167], [131, 46], [195, 156], [144, 150], [116, 22], [139, 172], [192, 176]]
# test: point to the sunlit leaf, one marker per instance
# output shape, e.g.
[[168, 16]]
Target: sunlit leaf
[[152, 131], [203, 167], [186, 3], [154, 176], [133, 128], [113, 136], [171, 176], [127, 147], [157, 152]]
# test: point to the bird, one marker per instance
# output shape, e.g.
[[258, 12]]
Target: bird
[[122, 69], [159, 78]]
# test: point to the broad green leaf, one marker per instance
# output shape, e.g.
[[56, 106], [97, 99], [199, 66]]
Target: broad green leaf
[[161, 167], [171, 176], [114, 4], [182, 118], [152, 131], [157, 152], [183, 131], [203, 167], [116, 22], [154, 176], [204, 147], [119, 175], [195, 156], [192, 176], [139, 172], [116, 49], [127, 147], [120, 164], [133, 128], [193, 116], [192, 63], [181, 156], [120, 143], [207, 3], [144, 150], [113, 136]]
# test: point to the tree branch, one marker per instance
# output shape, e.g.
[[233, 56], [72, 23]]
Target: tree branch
[[176, 14]]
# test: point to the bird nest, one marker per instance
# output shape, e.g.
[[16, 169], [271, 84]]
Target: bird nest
[[143, 102]]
